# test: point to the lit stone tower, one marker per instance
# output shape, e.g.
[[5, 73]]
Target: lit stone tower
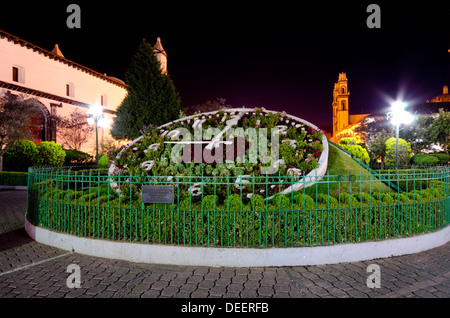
[[340, 104], [161, 55]]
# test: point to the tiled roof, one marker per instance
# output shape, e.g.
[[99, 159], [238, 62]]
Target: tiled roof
[[59, 58]]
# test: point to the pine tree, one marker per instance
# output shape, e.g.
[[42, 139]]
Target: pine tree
[[151, 100]]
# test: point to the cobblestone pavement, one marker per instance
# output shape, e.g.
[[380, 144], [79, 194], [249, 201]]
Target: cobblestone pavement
[[29, 269]]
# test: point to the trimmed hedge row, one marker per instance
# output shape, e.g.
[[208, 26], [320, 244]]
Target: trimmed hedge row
[[285, 221]]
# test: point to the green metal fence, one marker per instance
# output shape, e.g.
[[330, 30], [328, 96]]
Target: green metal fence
[[250, 212]]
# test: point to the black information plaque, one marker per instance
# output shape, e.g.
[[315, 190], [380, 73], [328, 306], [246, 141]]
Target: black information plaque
[[157, 194]]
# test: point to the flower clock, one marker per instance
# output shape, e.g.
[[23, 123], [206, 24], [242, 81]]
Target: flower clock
[[243, 151]]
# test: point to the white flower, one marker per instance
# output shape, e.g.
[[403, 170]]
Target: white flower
[[294, 172]]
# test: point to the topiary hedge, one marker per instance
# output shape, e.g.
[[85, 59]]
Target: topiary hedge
[[50, 154], [358, 152], [20, 156], [286, 220], [422, 159]]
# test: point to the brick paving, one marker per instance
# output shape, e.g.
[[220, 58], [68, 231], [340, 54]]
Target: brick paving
[[32, 270]]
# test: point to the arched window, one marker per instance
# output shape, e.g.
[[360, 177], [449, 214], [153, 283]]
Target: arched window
[[70, 90], [18, 74], [344, 105], [342, 90], [104, 100]]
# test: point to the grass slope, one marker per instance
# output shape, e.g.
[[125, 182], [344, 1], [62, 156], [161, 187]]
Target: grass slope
[[340, 164]]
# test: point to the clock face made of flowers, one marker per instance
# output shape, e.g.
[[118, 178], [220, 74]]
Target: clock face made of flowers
[[233, 145]]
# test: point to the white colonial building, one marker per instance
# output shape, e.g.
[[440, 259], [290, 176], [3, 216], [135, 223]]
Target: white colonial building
[[59, 85]]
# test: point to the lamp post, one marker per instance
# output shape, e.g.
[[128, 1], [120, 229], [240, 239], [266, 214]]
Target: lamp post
[[97, 118], [399, 116]]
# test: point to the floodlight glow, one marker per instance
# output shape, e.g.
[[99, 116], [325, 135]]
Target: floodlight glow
[[104, 122], [408, 118], [96, 111], [399, 115], [398, 107]]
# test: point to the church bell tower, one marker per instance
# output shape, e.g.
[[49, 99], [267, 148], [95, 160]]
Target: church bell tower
[[340, 104], [161, 56]]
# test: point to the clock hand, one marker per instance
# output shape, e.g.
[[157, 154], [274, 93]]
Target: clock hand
[[230, 123]]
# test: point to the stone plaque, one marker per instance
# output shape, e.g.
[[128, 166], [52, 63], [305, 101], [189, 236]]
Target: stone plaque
[[157, 194]]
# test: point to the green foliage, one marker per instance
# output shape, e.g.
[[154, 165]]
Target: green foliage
[[348, 200], [404, 151], [440, 129], [50, 154], [443, 158], [151, 99], [280, 202], [20, 156], [355, 150], [303, 200], [209, 202], [422, 159], [103, 162], [14, 178], [76, 156], [376, 145], [327, 201], [257, 201], [286, 221], [234, 202], [349, 141]]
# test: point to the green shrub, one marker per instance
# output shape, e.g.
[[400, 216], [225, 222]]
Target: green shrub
[[234, 202], [422, 159], [258, 202], [20, 156], [76, 156], [103, 162], [281, 202], [358, 152], [349, 141], [327, 201], [50, 154], [14, 178], [209, 202], [365, 198], [382, 197], [443, 158], [404, 151], [346, 199], [303, 200]]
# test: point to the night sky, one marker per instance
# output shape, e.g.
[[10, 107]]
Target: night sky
[[281, 55]]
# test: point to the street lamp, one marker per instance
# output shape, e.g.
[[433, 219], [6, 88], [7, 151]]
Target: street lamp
[[399, 116], [97, 118]]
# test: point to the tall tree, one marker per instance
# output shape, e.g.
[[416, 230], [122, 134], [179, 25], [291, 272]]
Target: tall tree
[[151, 99], [440, 129], [74, 130], [16, 122]]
